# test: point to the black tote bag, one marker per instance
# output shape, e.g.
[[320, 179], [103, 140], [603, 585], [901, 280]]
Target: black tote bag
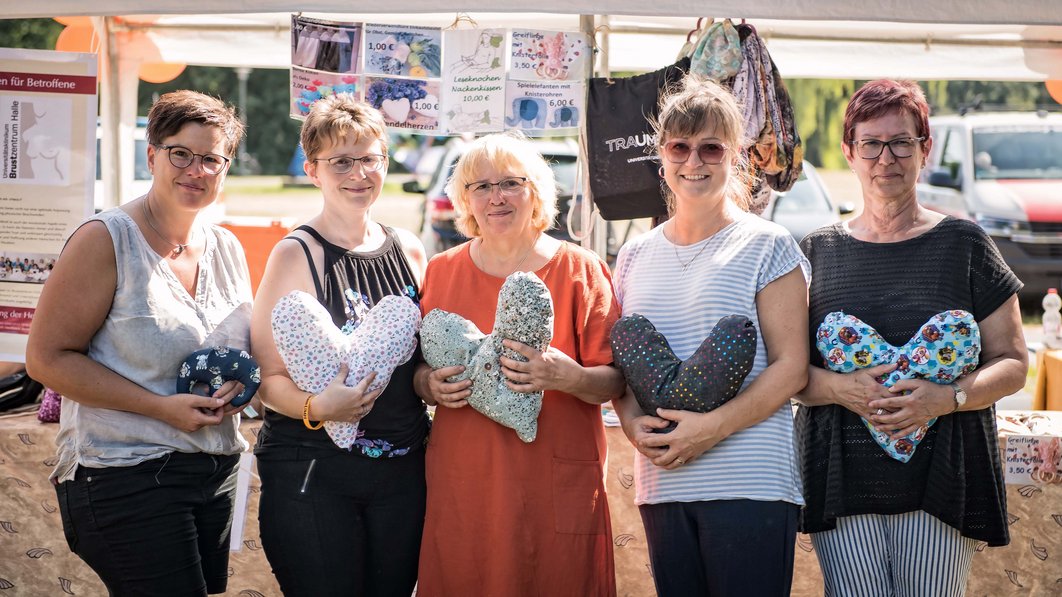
[[623, 175]]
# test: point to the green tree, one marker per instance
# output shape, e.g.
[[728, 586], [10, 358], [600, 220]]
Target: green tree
[[271, 134], [34, 34]]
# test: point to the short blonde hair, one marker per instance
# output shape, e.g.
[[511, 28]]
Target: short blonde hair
[[504, 151], [691, 108], [333, 118]]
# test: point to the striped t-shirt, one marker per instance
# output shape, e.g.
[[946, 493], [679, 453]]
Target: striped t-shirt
[[724, 273]]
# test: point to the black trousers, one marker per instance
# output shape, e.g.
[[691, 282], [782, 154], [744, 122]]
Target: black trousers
[[155, 529], [721, 548], [342, 524]]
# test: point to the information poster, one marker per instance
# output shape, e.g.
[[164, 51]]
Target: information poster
[[325, 60], [1033, 459], [48, 151], [473, 90], [546, 92]]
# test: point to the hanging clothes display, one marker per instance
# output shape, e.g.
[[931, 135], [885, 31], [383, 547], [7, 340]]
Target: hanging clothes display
[[621, 142], [737, 58]]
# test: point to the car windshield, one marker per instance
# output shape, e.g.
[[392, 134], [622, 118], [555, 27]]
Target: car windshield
[[1027, 153]]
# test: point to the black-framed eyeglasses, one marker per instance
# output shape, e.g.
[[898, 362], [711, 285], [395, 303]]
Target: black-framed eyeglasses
[[341, 164], [711, 153], [182, 157], [871, 149], [506, 186]]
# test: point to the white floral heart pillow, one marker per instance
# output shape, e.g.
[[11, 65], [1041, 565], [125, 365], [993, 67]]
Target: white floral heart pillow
[[313, 348]]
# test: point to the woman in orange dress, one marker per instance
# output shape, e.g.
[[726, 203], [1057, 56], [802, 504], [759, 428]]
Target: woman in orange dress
[[506, 517]]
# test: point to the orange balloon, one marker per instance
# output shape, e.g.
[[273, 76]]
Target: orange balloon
[[160, 72], [1054, 87], [75, 21], [77, 39]]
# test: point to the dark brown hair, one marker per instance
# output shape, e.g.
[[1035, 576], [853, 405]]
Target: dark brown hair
[[173, 110]]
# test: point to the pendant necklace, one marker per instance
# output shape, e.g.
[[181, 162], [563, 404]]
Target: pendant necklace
[[686, 264], [178, 248]]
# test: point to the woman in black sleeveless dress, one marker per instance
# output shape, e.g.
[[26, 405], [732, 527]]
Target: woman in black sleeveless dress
[[337, 521]]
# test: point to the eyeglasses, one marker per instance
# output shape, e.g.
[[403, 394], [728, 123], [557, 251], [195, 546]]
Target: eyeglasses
[[506, 186], [871, 149], [182, 157], [679, 151], [341, 164]]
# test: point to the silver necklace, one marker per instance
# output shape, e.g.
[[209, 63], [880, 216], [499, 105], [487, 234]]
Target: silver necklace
[[178, 248], [686, 264], [527, 254]]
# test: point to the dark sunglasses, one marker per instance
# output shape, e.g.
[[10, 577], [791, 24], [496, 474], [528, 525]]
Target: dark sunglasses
[[710, 153]]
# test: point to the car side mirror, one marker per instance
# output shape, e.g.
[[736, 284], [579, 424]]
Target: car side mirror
[[943, 178], [412, 186], [846, 208]]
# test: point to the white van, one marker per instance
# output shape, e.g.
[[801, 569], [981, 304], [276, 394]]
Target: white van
[[1003, 171]]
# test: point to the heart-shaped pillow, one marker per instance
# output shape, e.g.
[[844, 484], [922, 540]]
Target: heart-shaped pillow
[[947, 347], [313, 348], [204, 371], [524, 314], [703, 382]]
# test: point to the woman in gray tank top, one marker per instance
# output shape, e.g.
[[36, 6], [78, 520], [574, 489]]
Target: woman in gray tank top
[[146, 478]]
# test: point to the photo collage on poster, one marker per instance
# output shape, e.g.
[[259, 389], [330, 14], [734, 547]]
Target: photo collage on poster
[[427, 80], [325, 60]]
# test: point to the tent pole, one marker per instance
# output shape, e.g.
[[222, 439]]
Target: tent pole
[[110, 114], [597, 240]]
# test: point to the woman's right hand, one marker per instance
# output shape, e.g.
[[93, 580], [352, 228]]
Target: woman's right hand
[[192, 412], [642, 428], [857, 389], [435, 390], [341, 403]]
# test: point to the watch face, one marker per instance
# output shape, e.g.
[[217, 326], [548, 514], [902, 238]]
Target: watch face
[[960, 396]]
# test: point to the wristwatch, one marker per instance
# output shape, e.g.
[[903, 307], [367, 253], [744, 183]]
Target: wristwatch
[[960, 396]]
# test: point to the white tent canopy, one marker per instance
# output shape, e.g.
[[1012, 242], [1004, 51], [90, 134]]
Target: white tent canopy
[[1044, 12]]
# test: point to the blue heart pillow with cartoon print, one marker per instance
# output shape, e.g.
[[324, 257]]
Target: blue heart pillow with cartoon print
[[945, 348], [204, 372]]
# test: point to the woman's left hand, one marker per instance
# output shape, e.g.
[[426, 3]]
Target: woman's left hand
[[916, 401], [694, 434], [549, 370], [229, 390]]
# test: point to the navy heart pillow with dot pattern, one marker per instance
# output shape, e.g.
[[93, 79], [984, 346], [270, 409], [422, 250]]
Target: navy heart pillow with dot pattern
[[703, 382]]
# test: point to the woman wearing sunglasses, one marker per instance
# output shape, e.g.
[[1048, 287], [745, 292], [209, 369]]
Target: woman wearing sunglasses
[[506, 517], [719, 494], [939, 487], [146, 479], [336, 521]]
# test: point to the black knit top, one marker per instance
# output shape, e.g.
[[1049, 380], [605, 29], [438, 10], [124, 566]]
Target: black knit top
[[955, 473], [398, 422]]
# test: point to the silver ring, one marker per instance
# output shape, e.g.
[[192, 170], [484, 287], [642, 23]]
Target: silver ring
[[880, 411], [680, 461]]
